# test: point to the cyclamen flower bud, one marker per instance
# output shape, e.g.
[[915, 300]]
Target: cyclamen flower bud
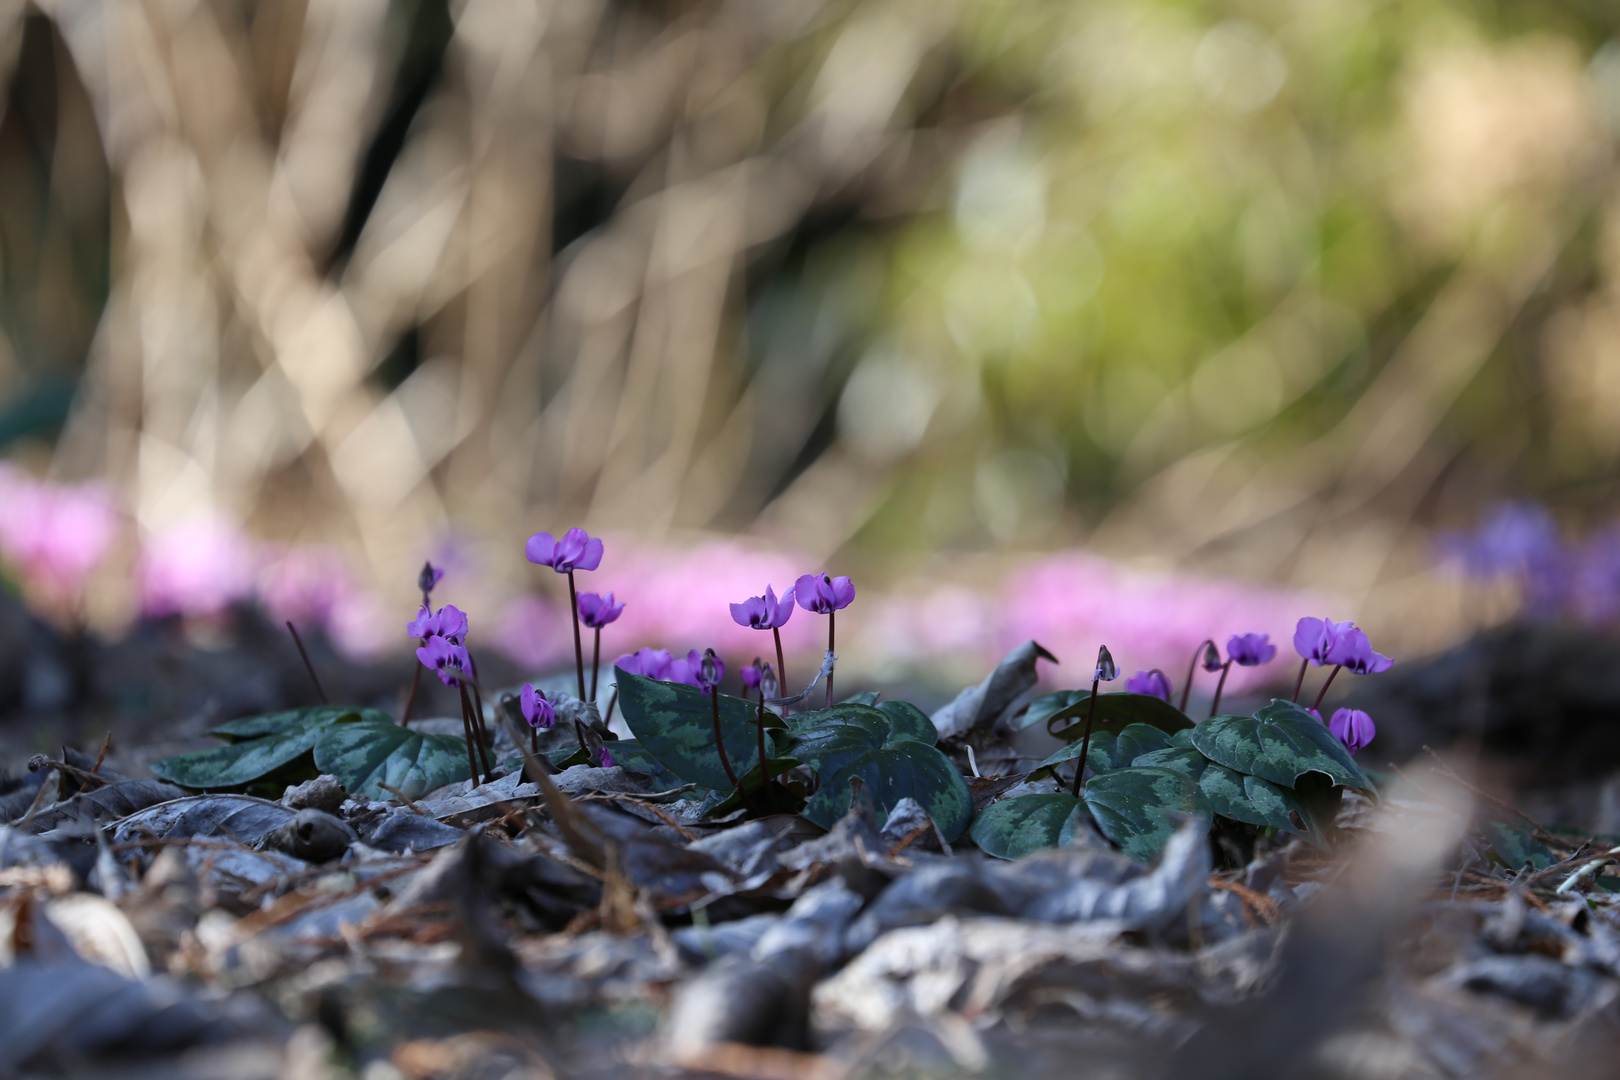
[[710, 669], [429, 577], [605, 759], [750, 675], [539, 712], [1212, 657], [1106, 671], [767, 681], [1353, 727]]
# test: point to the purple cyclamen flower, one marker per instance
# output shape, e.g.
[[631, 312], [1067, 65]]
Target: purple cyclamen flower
[[1352, 649], [1352, 727], [577, 550], [652, 663], [684, 670], [1151, 683], [605, 759], [1250, 650], [1314, 638], [597, 611], [449, 622], [750, 675], [823, 594], [539, 712], [443, 657], [706, 667], [767, 612]]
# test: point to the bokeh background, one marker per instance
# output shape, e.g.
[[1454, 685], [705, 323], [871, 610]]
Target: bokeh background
[[1129, 320]]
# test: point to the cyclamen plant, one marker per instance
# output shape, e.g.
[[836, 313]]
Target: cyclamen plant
[[577, 550]]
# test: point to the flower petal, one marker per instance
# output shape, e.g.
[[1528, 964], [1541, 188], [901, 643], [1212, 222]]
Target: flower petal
[[541, 549]]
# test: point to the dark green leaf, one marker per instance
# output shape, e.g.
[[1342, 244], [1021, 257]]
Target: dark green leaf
[[630, 754], [1281, 743], [1114, 711], [675, 724], [865, 697], [1180, 758], [285, 723], [1137, 808], [1515, 847], [907, 721], [242, 762], [362, 755], [1110, 751], [846, 741], [1015, 827], [1250, 799]]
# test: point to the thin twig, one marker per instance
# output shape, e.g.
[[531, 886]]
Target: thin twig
[[106, 742], [402, 797], [309, 667]]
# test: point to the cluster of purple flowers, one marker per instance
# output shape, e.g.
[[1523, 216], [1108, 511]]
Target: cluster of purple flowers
[[1519, 542], [443, 635]]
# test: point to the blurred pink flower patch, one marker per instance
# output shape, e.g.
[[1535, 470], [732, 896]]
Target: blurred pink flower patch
[[1072, 603], [199, 567], [54, 534], [315, 586], [537, 634]]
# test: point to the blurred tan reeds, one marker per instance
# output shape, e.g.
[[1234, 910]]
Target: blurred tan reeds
[[1005, 327]]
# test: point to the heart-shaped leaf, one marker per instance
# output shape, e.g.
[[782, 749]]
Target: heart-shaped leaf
[[1114, 711], [1012, 828], [1281, 743], [906, 721], [865, 697], [259, 745], [365, 755], [1110, 750], [1182, 759], [1137, 808], [1251, 800], [675, 724], [846, 741]]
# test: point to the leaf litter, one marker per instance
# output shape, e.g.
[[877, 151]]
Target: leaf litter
[[589, 921]]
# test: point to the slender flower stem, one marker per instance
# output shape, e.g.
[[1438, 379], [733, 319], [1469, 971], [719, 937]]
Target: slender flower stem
[[613, 699], [1299, 682], [781, 668], [1085, 740], [764, 770], [579, 649], [719, 744], [534, 741], [309, 667], [1186, 687], [831, 625], [1215, 705], [579, 733], [596, 661], [1322, 693], [480, 732], [410, 699], [467, 732]]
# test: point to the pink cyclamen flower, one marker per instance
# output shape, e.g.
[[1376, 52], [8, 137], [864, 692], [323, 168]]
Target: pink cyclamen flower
[[449, 622], [767, 612], [1151, 683], [597, 611], [750, 675], [1352, 727], [1250, 650], [536, 709], [444, 659], [577, 550], [605, 759], [651, 663], [823, 594]]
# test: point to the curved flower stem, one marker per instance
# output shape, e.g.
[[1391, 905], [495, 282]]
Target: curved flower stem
[[1186, 687], [831, 617], [613, 699], [596, 661], [484, 741], [1322, 693], [1085, 740], [1299, 682], [781, 668], [410, 699], [579, 649], [1215, 705], [719, 743]]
